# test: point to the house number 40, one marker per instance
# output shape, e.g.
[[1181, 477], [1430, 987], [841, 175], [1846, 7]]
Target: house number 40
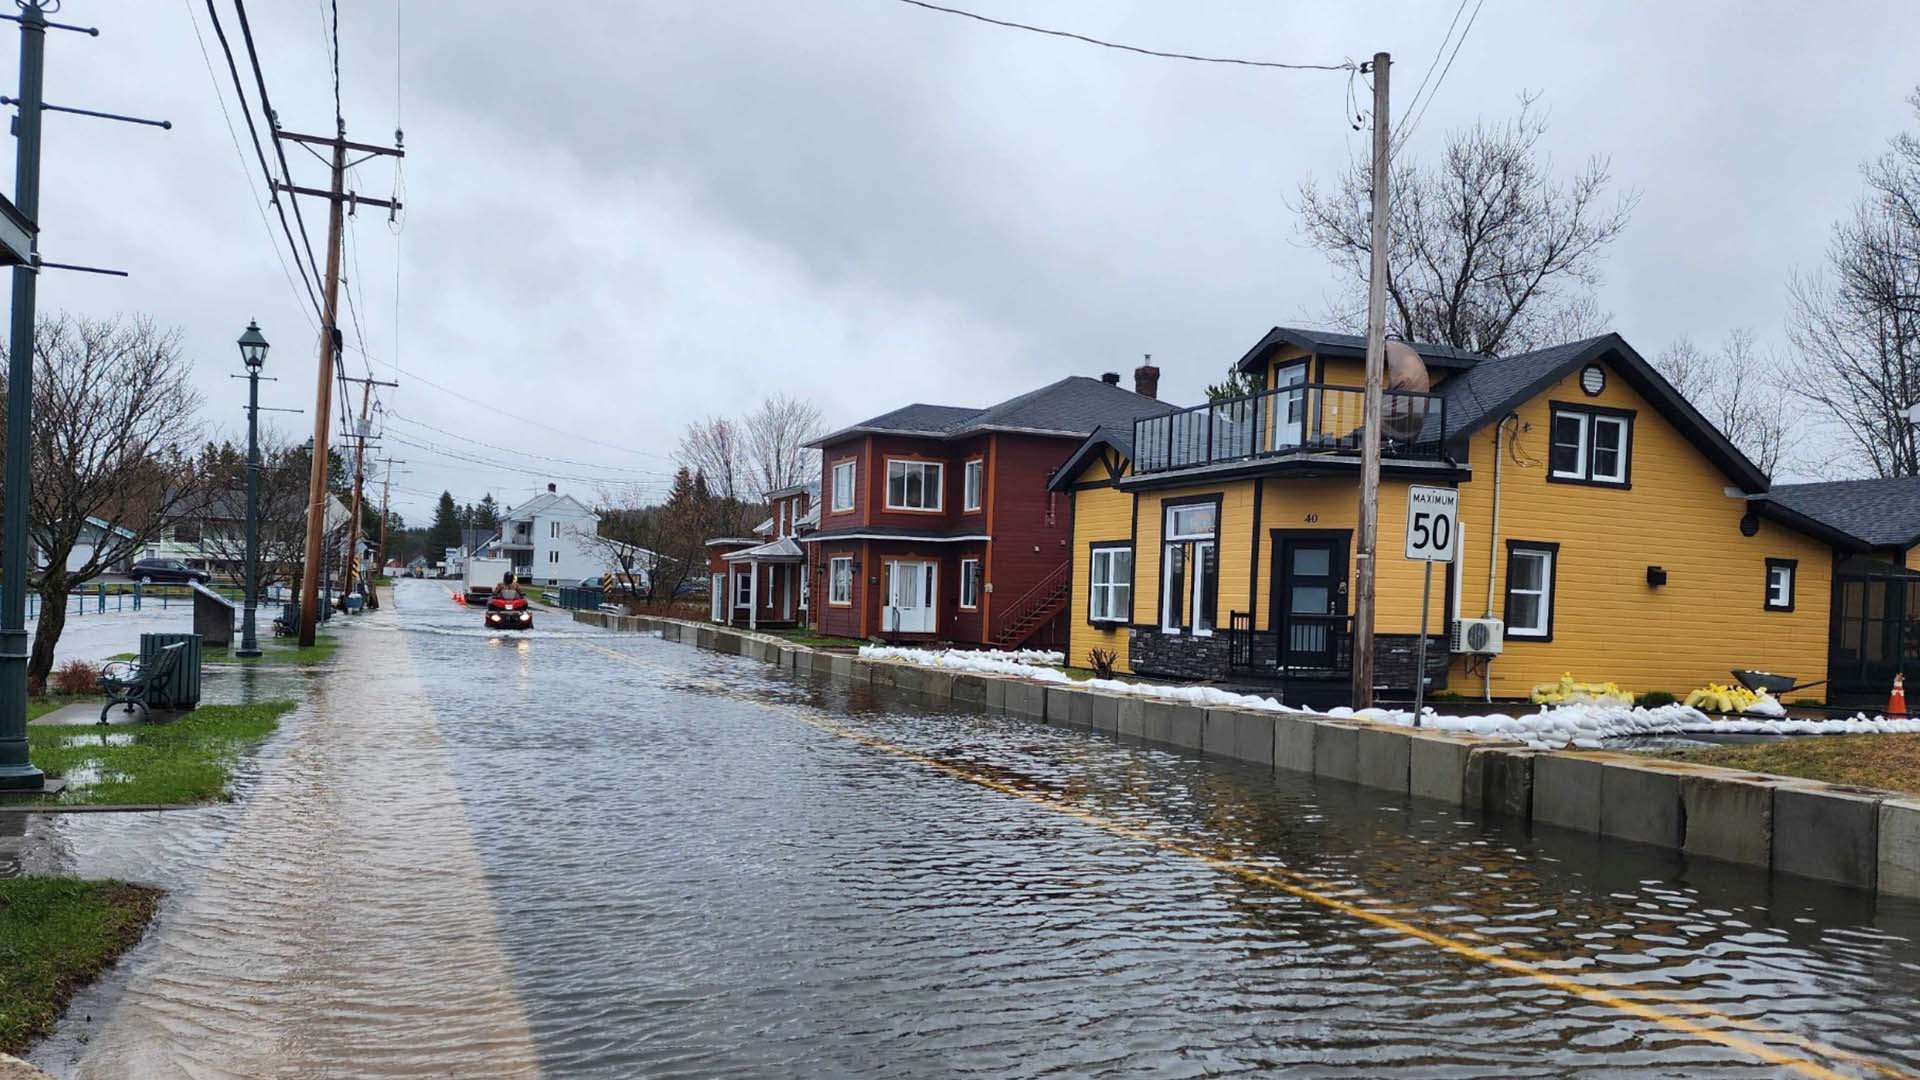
[[1312, 518]]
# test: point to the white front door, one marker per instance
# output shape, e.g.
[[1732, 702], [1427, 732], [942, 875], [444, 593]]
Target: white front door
[[911, 595]]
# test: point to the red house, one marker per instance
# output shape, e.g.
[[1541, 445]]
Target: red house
[[763, 580], [935, 522]]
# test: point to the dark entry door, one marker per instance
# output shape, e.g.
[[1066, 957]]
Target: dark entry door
[[1310, 600], [1875, 632]]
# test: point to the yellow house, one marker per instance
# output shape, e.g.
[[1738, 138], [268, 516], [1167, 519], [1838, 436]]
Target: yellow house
[[1606, 529]]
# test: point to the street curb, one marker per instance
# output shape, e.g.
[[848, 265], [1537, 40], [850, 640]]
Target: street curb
[[1856, 837]]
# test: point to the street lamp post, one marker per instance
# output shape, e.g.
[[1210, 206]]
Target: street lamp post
[[253, 352]]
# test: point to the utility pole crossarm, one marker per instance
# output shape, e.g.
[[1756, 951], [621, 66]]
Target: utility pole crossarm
[[389, 204], [317, 140]]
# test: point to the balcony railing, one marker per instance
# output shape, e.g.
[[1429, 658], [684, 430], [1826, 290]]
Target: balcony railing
[[1304, 419]]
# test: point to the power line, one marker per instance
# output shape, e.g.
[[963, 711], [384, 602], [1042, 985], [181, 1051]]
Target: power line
[[460, 456], [245, 170], [1464, 31], [273, 119], [246, 111], [339, 118], [1345, 66], [649, 474], [1414, 100]]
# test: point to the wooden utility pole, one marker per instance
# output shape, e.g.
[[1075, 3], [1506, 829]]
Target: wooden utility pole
[[359, 437], [337, 199], [1363, 606], [386, 488]]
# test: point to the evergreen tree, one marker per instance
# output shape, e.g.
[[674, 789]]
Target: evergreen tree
[[445, 532], [486, 515]]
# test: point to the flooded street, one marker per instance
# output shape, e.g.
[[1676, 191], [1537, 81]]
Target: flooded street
[[579, 853]]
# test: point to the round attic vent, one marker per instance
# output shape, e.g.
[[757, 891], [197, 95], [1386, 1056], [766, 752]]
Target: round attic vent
[[1593, 379]]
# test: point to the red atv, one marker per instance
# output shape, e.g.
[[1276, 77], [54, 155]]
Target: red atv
[[509, 614]]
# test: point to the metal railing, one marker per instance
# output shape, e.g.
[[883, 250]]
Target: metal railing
[[1302, 419], [1308, 646]]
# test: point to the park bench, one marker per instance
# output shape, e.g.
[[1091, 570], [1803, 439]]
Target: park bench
[[129, 683]]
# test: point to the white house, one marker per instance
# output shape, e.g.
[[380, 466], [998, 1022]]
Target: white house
[[549, 539]]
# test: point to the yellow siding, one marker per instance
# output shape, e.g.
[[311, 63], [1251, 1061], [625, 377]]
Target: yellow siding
[[1333, 503], [1913, 558], [1099, 513], [1608, 623], [1235, 547]]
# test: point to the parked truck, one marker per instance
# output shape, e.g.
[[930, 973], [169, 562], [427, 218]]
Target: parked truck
[[483, 575]]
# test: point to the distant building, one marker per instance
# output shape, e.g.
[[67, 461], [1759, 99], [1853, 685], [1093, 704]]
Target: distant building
[[550, 539]]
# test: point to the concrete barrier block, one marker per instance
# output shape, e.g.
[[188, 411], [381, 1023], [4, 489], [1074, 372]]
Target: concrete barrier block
[[1827, 832], [1899, 869], [1186, 726], [1103, 712], [1033, 697], [1728, 816], [936, 685], [1293, 740], [1566, 791], [1080, 710], [1131, 718], [1336, 752], [1059, 707], [703, 637], [840, 666], [1156, 721], [1640, 800], [1241, 734], [1499, 780], [1384, 757], [996, 694], [1436, 767], [969, 689], [860, 672]]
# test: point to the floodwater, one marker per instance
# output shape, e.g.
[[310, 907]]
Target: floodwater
[[582, 854]]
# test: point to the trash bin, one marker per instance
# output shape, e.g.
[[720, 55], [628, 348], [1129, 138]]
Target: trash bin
[[182, 689]]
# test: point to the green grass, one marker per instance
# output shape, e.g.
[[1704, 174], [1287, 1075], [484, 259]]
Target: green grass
[[274, 651], [56, 936], [41, 706], [817, 641], [536, 593], [1876, 761], [186, 761]]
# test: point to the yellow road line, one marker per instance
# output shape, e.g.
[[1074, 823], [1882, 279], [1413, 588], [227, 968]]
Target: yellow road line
[[1305, 888]]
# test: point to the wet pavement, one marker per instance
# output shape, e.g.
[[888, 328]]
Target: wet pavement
[[578, 853]]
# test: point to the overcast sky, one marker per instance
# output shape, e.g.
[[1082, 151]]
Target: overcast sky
[[625, 215]]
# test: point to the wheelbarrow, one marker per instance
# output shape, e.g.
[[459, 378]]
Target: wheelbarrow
[[1773, 684]]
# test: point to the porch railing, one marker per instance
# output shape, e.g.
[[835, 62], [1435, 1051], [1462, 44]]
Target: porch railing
[[1306, 646], [1302, 419]]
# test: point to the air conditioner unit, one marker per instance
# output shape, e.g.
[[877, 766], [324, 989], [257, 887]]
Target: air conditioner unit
[[1477, 637]]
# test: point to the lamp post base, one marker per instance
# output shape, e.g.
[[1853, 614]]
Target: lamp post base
[[24, 780], [47, 786]]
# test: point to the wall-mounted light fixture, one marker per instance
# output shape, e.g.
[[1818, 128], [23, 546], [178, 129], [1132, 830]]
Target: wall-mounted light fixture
[[1656, 576]]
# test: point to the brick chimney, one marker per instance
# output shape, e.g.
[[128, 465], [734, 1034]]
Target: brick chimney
[[1146, 379], [551, 489], [1111, 378]]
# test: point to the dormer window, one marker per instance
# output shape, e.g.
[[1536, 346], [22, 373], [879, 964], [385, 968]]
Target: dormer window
[[1590, 445]]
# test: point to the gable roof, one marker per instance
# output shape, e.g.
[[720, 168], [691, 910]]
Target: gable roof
[[1346, 346], [1876, 513], [1488, 391], [1073, 406], [1118, 439]]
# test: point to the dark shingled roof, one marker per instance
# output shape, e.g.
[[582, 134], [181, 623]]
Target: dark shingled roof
[[1494, 388], [1328, 343], [1073, 406], [1878, 513]]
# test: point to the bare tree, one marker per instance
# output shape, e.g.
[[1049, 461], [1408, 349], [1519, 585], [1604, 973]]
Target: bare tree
[[1738, 388], [717, 449], [656, 548], [114, 418], [1856, 324], [283, 512], [776, 440], [1487, 251]]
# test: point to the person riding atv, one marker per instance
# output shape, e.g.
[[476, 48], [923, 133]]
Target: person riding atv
[[507, 607]]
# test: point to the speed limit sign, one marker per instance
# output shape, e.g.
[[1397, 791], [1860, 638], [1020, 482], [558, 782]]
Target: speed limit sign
[[1433, 523]]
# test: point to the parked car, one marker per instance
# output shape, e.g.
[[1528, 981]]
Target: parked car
[[611, 585], [166, 572]]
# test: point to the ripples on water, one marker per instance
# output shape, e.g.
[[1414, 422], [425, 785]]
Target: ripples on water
[[473, 853]]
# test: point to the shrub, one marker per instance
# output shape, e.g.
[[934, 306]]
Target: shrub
[[1653, 699], [1102, 661], [76, 677]]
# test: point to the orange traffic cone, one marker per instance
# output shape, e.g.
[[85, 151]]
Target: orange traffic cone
[[1897, 702]]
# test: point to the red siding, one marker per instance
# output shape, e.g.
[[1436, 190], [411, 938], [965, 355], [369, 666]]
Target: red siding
[[1032, 527]]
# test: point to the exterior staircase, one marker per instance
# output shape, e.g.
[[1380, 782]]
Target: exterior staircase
[[1036, 609]]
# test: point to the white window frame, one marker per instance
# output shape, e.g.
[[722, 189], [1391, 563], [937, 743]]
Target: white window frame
[[1104, 588], [938, 486], [780, 517], [1781, 573], [1192, 545], [1584, 470], [970, 584], [806, 585], [742, 590], [851, 469], [836, 595], [1549, 566], [553, 530], [974, 485]]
